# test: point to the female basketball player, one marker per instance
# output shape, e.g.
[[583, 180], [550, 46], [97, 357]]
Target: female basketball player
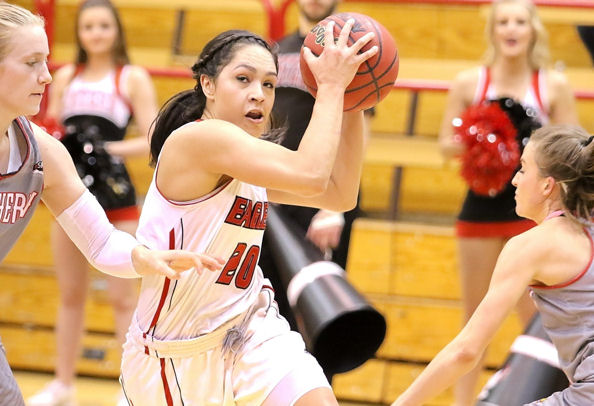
[[515, 67], [34, 165], [94, 98], [555, 188], [219, 340]]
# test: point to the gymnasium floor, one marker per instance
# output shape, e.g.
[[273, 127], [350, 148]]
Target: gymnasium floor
[[90, 391]]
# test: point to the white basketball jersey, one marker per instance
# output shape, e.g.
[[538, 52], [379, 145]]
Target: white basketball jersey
[[229, 222]]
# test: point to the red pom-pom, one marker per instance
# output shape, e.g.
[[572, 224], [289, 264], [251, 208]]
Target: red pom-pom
[[492, 153], [51, 126]]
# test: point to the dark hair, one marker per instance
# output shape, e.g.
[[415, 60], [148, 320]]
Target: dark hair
[[188, 105], [566, 153], [119, 51]]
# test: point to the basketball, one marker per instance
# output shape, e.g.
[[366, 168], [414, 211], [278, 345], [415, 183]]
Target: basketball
[[375, 77]]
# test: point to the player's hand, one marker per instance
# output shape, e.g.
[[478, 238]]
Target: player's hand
[[338, 62], [171, 263], [325, 230]]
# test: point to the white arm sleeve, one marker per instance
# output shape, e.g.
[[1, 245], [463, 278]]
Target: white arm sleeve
[[106, 248]]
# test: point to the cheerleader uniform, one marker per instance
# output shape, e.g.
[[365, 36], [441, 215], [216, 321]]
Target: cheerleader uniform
[[495, 216], [94, 113]]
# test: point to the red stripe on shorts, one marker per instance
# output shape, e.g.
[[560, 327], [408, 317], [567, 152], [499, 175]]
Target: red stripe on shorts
[[165, 384], [164, 291]]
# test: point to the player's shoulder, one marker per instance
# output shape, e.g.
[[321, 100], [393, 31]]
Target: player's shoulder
[[64, 73], [137, 72], [468, 77], [557, 79]]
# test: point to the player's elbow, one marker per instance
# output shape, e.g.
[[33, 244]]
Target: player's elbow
[[315, 185], [467, 355], [343, 205]]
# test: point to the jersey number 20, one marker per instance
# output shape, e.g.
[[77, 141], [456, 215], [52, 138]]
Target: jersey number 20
[[239, 266]]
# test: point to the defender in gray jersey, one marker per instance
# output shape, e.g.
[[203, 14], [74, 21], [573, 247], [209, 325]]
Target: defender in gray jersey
[[34, 166], [555, 188]]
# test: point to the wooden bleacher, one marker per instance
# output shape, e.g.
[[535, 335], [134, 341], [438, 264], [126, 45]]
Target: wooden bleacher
[[407, 269]]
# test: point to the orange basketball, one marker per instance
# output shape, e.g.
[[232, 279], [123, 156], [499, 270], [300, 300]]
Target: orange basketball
[[375, 77]]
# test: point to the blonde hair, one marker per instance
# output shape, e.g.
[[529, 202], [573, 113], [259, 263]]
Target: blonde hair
[[566, 153], [538, 54], [11, 18]]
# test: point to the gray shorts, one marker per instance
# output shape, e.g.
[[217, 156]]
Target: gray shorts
[[10, 394], [578, 394]]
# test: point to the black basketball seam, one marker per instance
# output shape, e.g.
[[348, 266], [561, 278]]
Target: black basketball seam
[[379, 77], [367, 96]]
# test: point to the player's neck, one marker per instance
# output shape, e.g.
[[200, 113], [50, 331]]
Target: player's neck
[[512, 66], [101, 62]]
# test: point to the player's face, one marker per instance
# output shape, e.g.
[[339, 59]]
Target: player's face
[[530, 185], [316, 10], [513, 33], [244, 90], [23, 72], [97, 30]]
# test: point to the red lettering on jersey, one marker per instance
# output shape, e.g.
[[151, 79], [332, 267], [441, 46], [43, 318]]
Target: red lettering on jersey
[[263, 217], [237, 211], [256, 215], [245, 214], [232, 264]]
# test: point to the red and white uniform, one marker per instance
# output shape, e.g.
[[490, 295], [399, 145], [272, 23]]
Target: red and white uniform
[[536, 97], [102, 98], [228, 222], [215, 338]]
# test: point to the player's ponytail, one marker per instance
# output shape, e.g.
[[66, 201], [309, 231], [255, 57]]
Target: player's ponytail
[[184, 107]]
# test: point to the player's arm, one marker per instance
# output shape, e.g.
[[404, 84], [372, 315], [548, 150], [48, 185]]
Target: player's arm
[[60, 81], [459, 98], [80, 215], [141, 92], [513, 272], [562, 100], [343, 186]]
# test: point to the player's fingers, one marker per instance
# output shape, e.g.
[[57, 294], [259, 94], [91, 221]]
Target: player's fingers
[[362, 57], [329, 35], [362, 41], [211, 263], [180, 260], [167, 271], [308, 55], [343, 37]]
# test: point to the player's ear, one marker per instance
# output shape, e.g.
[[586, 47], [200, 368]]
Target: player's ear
[[549, 184], [208, 86]]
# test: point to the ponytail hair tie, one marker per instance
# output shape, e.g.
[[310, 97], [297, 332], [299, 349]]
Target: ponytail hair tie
[[588, 141]]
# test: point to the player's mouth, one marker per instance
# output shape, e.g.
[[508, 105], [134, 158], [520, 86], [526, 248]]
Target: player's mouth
[[255, 115]]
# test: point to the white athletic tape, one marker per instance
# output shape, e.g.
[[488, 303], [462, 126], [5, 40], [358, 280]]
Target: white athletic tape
[[307, 275], [537, 348]]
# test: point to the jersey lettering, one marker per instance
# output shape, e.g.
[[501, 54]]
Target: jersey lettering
[[15, 205], [246, 266], [246, 214]]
